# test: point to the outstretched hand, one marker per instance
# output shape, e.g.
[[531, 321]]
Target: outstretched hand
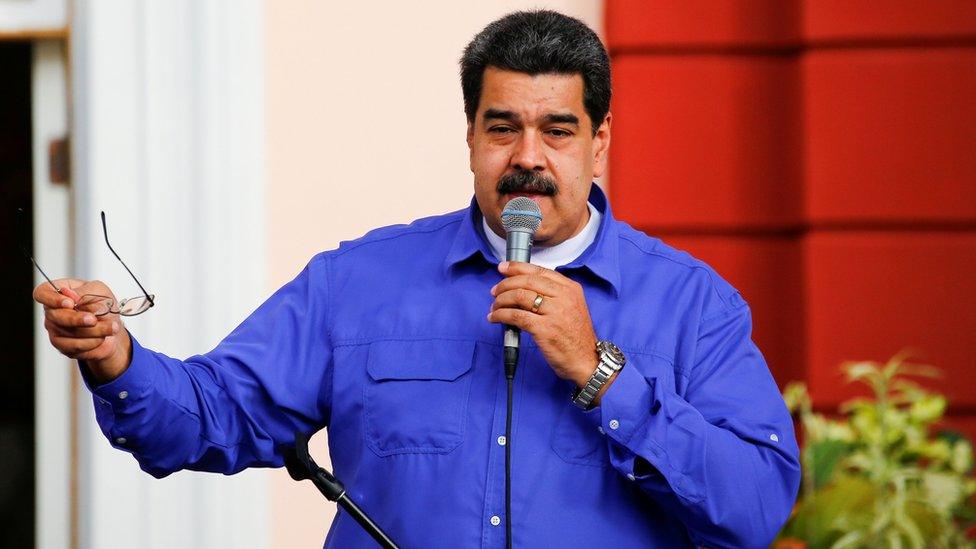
[[101, 341]]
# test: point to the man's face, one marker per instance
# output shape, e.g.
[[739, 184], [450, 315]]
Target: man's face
[[532, 137]]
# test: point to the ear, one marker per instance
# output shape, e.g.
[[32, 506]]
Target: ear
[[601, 146], [470, 139]]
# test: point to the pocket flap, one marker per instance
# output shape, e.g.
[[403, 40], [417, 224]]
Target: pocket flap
[[441, 359]]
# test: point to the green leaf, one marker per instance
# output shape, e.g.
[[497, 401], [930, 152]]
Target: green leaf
[[825, 455], [928, 408], [920, 370], [850, 539], [961, 459], [893, 540], [942, 491], [857, 371], [910, 529], [843, 506], [930, 524], [795, 395]]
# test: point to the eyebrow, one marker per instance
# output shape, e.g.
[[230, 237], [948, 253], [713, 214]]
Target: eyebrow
[[498, 114], [562, 118], [509, 116]]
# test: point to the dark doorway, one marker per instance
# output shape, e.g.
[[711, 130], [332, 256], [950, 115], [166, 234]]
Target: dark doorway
[[16, 278]]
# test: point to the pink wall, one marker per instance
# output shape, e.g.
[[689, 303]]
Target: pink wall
[[365, 129]]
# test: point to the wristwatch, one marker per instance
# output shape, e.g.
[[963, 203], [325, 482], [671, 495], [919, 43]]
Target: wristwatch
[[611, 361]]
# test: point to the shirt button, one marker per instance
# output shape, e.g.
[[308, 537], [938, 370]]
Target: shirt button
[[774, 437], [495, 521], [123, 395], [631, 477], [501, 440], [120, 440], [614, 424]]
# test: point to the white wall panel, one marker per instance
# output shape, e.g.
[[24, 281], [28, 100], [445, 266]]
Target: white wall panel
[[169, 137]]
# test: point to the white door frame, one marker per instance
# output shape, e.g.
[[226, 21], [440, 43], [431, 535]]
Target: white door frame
[[53, 397]]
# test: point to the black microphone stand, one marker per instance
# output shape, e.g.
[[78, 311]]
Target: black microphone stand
[[301, 466]]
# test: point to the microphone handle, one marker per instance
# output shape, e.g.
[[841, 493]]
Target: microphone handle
[[518, 246]]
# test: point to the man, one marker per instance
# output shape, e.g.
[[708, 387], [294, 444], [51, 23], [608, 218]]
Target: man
[[385, 342]]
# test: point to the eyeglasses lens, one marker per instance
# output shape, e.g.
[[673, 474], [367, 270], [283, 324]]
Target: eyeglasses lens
[[134, 306], [97, 305]]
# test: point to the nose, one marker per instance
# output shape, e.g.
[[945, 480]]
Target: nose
[[529, 154]]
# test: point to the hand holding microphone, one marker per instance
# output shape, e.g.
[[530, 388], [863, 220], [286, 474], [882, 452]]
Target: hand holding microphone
[[541, 301]]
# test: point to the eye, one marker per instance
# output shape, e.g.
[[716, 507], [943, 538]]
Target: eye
[[559, 132], [501, 129]]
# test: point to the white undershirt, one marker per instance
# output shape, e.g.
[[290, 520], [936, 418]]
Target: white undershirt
[[551, 257]]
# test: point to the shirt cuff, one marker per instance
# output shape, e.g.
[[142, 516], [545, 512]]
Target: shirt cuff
[[633, 419], [123, 395], [625, 405]]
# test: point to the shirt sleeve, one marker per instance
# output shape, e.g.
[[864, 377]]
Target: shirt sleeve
[[723, 458], [233, 407]]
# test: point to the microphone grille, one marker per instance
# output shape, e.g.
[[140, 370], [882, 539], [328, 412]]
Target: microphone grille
[[521, 214]]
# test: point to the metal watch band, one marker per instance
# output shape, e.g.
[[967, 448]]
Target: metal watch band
[[584, 397], [605, 368]]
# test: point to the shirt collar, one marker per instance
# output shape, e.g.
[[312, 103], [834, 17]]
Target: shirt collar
[[561, 254], [601, 258]]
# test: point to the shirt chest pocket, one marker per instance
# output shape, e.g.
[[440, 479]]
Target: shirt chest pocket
[[576, 437], [416, 396]]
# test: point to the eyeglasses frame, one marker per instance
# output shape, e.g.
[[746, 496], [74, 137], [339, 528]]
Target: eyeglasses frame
[[119, 304]]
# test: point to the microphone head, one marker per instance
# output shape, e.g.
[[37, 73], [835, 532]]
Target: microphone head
[[521, 214]]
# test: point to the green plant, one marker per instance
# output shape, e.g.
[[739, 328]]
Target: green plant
[[878, 476]]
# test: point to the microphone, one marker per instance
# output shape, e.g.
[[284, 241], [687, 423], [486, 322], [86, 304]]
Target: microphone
[[521, 218]]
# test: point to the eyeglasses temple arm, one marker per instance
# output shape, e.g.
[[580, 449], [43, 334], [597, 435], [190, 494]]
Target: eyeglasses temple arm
[[44, 275], [21, 225], [105, 231]]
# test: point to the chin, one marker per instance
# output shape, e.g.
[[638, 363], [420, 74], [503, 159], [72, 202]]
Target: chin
[[541, 237]]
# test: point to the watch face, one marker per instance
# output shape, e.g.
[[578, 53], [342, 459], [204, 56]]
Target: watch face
[[613, 351]]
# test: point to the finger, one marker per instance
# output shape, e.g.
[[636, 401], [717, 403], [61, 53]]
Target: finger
[[518, 298], [535, 283], [70, 283], [69, 318], [515, 317], [46, 295], [102, 329], [72, 346], [65, 290], [104, 350], [512, 268]]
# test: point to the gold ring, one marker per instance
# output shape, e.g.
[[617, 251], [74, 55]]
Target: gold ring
[[537, 303]]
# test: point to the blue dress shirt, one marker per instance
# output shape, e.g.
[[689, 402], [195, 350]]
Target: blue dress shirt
[[384, 342]]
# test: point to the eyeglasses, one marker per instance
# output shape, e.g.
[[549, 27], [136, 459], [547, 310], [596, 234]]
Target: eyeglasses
[[98, 305]]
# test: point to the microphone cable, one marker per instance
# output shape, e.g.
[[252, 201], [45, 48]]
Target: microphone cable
[[511, 359]]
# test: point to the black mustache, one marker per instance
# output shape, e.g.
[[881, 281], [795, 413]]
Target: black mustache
[[527, 182]]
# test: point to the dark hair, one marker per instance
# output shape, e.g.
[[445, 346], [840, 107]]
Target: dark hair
[[539, 42]]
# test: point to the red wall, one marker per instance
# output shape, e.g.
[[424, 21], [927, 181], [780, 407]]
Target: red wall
[[821, 155]]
